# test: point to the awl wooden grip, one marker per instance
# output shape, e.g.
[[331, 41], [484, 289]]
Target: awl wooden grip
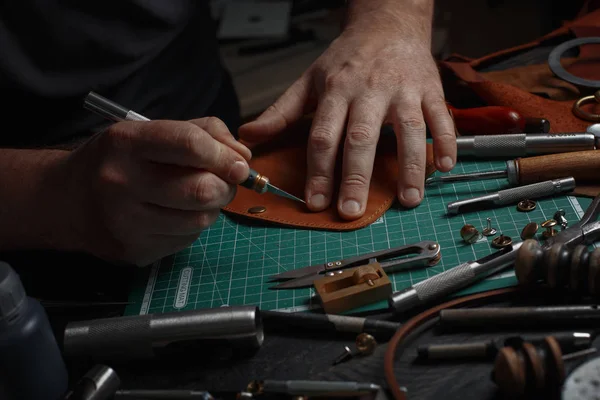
[[584, 166], [495, 120]]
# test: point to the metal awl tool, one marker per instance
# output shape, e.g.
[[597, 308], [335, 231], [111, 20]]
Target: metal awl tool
[[421, 254], [526, 144], [581, 165], [115, 112], [512, 195]]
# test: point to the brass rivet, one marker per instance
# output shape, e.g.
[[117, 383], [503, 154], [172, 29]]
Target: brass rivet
[[549, 226], [365, 344], [526, 205], [501, 241], [529, 230], [257, 210], [470, 234]]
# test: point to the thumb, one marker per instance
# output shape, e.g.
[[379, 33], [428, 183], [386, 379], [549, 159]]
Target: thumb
[[287, 109]]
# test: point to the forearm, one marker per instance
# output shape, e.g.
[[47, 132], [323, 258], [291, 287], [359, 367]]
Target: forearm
[[412, 17], [32, 200]]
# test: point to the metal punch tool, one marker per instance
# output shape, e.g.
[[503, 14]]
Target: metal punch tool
[[586, 231], [424, 254]]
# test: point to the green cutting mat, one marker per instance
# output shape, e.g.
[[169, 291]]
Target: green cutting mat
[[230, 263]]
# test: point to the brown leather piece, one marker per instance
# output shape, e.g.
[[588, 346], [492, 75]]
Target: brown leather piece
[[283, 161]]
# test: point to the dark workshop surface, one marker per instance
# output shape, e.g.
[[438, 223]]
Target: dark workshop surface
[[281, 356]]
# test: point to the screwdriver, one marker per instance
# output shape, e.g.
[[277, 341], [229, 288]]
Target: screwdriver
[[581, 165], [115, 112]]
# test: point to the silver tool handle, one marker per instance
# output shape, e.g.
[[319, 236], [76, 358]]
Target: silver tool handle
[[514, 195], [521, 144], [433, 288], [534, 191]]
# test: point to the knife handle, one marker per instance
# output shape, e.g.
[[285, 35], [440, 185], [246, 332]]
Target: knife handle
[[256, 182], [584, 166]]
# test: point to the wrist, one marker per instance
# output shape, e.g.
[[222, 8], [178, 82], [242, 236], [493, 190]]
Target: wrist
[[34, 214], [410, 18]]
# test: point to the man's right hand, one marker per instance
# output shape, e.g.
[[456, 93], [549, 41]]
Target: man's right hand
[[145, 190]]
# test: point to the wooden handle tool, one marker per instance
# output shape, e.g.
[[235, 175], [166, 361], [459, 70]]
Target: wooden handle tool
[[584, 166], [495, 120]]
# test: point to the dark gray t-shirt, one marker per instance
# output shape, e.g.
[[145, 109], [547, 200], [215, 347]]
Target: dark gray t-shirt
[[158, 57]]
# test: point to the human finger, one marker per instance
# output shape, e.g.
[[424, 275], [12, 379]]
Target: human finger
[[364, 122], [285, 111], [181, 188], [179, 143], [442, 131], [325, 136], [219, 131], [410, 129]]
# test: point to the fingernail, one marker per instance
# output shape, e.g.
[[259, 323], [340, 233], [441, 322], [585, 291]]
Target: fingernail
[[412, 195], [446, 162], [317, 201], [238, 171], [351, 207]]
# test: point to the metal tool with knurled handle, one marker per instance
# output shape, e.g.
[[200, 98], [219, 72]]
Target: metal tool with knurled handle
[[513, 195], [524, 144]]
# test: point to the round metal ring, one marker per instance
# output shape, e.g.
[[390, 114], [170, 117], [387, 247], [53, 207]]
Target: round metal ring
[[581, 113], [561, 72]]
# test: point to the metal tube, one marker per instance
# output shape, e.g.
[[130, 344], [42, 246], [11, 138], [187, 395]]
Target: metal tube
[[109, 109], [317, 388], [525, 316], [452, 280], [474, 176], [513, 195], [522, 144], [99, 383], [146, 336]]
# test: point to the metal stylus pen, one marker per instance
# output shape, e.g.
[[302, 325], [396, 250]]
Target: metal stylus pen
[[116, 112]]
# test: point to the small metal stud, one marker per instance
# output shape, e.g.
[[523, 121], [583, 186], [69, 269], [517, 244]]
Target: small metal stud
[[365, 343], [529, 230], [257, 210], [526, 205], [433, 246], [559, 216], [470, 234], [501, 241], [338, 263], [549, 226], [346, 355], [330, 264], [489, 231]]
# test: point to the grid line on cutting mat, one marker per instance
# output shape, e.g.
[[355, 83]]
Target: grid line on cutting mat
[[230, 262]]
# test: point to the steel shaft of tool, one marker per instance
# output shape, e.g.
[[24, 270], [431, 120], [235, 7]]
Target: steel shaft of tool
[[513, 195], [116, 112], [318, 388], [329, 322], [521, 316], [475, 176], [452, 280], [165, 394], [523, 144], [145, 336]]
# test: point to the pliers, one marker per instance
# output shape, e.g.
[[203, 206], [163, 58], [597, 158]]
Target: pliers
[[425, 253], [585, 231]]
